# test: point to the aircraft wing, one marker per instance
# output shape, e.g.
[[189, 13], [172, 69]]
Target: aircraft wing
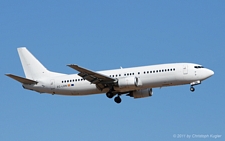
[[21, 79], [101, 81]]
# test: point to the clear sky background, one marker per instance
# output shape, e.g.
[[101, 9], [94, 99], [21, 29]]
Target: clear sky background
[[104, 35]]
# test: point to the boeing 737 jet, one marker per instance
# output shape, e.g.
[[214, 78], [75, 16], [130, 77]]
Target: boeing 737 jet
[[136, 82]]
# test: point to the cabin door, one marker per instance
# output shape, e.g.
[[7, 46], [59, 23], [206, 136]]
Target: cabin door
[[185, 69], [52, 84]]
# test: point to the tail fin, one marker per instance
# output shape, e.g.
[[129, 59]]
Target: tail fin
[[33, 69]]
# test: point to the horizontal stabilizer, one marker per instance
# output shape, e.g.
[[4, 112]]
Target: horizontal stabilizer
[[21, 79]]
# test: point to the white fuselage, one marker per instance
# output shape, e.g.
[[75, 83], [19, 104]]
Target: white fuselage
[[150, 76]]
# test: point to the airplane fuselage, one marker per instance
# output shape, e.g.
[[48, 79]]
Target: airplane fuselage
[[150, 76]]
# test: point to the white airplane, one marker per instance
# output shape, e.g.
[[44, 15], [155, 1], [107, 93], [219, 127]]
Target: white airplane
[[136, 82]]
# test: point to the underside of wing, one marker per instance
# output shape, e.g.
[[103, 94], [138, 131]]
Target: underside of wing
[[102, 81], [21, 79]]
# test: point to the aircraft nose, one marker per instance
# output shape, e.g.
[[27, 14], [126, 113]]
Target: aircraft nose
[[205, 73], [210, 72]]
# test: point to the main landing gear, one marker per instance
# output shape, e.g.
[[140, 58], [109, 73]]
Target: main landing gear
[[117, 99], [109, 94]]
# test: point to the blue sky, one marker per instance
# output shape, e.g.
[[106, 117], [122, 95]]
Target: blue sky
[[106, 35]]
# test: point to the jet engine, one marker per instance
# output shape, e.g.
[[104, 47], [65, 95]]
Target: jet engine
[[128, 82], [141, 93]]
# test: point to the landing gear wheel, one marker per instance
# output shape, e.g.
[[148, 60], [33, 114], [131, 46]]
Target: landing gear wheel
[[192, 89], [117, 99], [109, 95]]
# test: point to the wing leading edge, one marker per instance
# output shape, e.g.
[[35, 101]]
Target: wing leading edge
[[101, 81]]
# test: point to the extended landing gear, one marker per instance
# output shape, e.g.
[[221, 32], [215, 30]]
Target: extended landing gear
[[192, 89], [117, 99], [109, 94], [193, 84]]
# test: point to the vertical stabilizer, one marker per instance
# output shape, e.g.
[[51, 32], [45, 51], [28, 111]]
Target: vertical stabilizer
[[33, 69]]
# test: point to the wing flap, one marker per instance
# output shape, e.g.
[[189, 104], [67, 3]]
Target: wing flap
[[21, 79]]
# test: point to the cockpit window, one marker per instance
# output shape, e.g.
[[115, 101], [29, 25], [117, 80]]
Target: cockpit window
[[198, 67]]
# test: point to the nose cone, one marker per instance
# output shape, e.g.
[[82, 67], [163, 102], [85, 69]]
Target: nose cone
[[204, 73], [209, 73]]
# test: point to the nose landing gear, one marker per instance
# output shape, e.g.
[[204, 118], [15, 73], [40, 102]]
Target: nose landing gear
[[192, 89], [193, 84]]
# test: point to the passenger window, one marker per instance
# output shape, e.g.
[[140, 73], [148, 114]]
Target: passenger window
[[159, 70], [150, 71], [162, 70], [62, 81], [153, 71], [173, 69], [138, 72], [156, 70], [67, 80]]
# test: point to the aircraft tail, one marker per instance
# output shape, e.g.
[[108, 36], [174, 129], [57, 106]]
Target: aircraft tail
[[33, 69]]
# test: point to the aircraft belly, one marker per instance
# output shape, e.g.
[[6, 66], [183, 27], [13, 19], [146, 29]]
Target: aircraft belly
[[77, 89], [158, 81]]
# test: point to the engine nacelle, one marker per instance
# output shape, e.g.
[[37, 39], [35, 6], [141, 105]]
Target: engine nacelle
[[141, 93], [128, 82]]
